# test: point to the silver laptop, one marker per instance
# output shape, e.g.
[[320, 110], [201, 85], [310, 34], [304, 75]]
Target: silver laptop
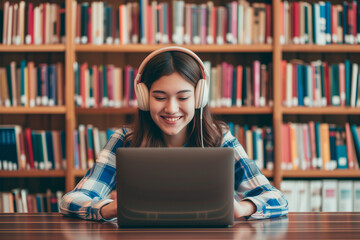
[[175, 187]]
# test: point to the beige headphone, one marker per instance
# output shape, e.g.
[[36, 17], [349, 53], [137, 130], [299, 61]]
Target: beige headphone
[[201, 89]]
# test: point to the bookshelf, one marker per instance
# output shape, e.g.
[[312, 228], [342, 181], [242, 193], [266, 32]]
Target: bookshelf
[[68, 117]]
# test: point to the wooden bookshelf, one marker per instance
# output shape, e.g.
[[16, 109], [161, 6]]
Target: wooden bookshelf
[[33, 110], [321, 174], [311, 48], [197, 48], [33, 48], [276, 113], [33, 174], [321, 110]]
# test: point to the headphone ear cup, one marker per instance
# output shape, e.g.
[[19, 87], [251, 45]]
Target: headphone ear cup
[[201, 94], [142, 96]]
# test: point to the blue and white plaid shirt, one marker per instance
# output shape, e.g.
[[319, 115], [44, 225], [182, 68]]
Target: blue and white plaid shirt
[[86, 200]]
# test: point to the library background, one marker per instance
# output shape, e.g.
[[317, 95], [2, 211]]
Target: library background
[[284, 76]]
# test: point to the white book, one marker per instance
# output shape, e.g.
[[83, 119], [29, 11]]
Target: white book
[[73, 27], [260, 148], [240, 37], [356, 196], [37, 29], [102, 139], [100, 24], [117, 87], [178, 31], [289, 83], [21, 22], [83, 158], [354, 83], [345, 196], [248, 24], [303, 188], [94, 19], [315, 195], [23, 195], [143, 11], [329, 196], [300, 146], [288, 188]]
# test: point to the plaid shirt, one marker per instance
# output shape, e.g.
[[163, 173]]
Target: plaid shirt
[[86, 200]]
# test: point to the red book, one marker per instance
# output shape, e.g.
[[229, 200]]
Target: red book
[[22, 160], [342, 84], [78, 24], [29, 39], [96, 86], [239, 85], [327, 83], [150, 24], [89, 25], [83, 68], [312, 145], [110, 84], [225, 82], [44, 22], [296, 23], [29, 148], [334, 23], [213, 27], [355, 16], [268, 25]]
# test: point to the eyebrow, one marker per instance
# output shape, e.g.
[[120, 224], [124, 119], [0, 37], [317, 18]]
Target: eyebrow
[[182, 91]]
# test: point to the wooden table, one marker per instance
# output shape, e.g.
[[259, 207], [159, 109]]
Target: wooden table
[[295, 226]]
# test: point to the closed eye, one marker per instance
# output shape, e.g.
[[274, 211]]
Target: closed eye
[[183, 99], [159, 99]]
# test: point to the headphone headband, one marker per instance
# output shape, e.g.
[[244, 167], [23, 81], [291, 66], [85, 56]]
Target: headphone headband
[[169, 49]]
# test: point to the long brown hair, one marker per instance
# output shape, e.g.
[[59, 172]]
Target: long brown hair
[[146, 133]]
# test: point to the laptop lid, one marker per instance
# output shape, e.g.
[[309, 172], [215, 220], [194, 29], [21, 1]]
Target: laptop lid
[[175, 187]]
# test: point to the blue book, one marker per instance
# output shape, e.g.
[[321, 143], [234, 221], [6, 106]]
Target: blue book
[[306, 27], [322, 23], [76, 150], [8, 75], [315, 7], [50, 149], [131, 91], [23, 99], [335, 89], [165, 22], [105, 90], [36, 153], [39, 203], [300, 85], [231, 126], [254, 139], [109, 132], [318, 145], [328, 22], [234, 87], [63, 148], [269, 148], [142, 14], [244, 87], [332, 139], [84, 22], [356, 141], [52, 85], [341, 150], [347, 81], [345, 19], [109, 23]]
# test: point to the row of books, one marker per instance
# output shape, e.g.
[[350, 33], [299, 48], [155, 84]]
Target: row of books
[[150, 22], [110, 86], [322, 195], [258, 142], [21, 201], [320, 22], [31, 149], [320, 146], [25, 23], [88, 142], [320, 84], [28, 85]]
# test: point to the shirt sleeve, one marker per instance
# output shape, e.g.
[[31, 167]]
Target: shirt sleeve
[[251, 184], [90, 194]]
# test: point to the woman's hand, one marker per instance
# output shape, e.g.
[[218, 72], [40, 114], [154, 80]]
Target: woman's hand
[[109, 211], [243, 208]]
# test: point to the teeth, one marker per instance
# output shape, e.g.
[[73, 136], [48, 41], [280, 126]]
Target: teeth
[[172, 119]]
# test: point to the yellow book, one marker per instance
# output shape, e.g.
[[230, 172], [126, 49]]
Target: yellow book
[[325, 142]]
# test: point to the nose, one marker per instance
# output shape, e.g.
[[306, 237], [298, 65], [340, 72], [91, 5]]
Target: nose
[[172, 106]]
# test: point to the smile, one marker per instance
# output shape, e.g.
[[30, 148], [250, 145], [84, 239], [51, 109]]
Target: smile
[[173, 119]]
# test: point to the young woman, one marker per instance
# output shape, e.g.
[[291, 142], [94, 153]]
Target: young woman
[[172, 97]]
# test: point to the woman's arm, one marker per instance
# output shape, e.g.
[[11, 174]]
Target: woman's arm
[[251, 185], [90, 195]]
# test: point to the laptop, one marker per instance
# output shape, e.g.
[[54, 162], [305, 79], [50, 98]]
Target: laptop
[[175, 187]]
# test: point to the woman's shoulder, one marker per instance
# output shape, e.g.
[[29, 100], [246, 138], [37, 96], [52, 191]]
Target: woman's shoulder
[[122, 132]]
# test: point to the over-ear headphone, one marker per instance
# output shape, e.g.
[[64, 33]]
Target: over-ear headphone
[[201, 89]]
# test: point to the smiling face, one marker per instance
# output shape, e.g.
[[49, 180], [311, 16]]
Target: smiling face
[[172, 107]]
